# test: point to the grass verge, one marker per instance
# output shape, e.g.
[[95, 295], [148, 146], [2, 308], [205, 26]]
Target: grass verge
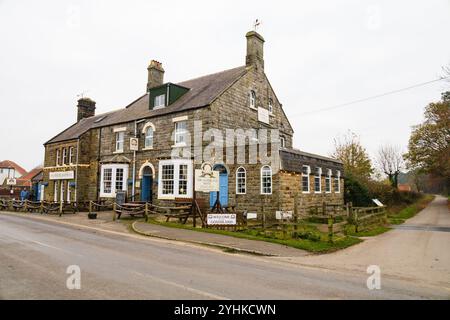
[[398, 215], [322, 246]]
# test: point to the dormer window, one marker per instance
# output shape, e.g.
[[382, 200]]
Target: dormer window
[[160, 101], [252, 98]]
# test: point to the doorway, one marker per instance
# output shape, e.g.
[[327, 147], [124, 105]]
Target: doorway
[[223, 187], [146, 185]]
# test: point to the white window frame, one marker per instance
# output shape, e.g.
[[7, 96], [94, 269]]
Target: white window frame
[[64, 156], [58, 157], [338, 180], [55, 190], [178, 132], [270, 106], [147, 126], [176, 174], [120, 141], [320, 179], [328, 186], [244, 178], [159, 101], [252, 99], [271, 180], [114, 168], [71, 155], [69, 192], [308, 175], [62, 185]]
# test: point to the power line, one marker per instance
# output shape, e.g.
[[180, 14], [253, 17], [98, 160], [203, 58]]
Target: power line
[[370, 98]]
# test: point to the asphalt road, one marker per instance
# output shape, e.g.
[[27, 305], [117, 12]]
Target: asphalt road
[[34, 256]]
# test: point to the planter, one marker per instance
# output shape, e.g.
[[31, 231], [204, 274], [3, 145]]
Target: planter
[[92, 216]]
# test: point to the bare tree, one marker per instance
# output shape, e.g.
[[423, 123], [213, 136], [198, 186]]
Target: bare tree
[[390, 161]]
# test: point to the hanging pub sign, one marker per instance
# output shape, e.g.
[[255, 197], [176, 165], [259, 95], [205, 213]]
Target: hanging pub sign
[[134, 144], [206, 180], [11, 181]]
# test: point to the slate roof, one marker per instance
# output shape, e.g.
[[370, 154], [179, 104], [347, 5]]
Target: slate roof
[[293, 160], [12, 165], [203, 91]]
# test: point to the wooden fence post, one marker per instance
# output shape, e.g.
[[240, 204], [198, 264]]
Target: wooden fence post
[[264, 221], [25, 206], [145, 211], [60, 208], [295, 216], [114, 207], [41, 207], [355, 217], [330, 228]]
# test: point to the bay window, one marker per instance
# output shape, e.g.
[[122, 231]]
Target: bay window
[[113, 179], [175, 179]]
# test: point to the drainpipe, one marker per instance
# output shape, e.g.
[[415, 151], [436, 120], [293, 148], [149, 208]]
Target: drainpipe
[[76, 171], [133, 189]]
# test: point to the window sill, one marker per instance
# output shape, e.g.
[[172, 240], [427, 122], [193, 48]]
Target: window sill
[[118, 152], [147, 148], [184, 145], [306, 192]]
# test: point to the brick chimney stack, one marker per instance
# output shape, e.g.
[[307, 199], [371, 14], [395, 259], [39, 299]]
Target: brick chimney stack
[[86, 108], [255, 50], [155, 75]]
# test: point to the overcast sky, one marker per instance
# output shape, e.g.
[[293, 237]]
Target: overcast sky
[[317, 54]]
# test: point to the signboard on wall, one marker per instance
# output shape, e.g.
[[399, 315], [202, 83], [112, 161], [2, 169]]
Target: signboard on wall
[[62, 175], [11, 181], [206, 180], [263, 115], [280, 215], [221, 219]]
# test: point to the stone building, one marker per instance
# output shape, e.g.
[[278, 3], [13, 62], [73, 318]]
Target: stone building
[[151, 147]]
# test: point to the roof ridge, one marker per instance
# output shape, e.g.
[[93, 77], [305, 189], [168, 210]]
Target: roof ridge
[[210, 74]]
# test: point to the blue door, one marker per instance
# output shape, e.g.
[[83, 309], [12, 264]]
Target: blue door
[[147, 182], [223, 187]]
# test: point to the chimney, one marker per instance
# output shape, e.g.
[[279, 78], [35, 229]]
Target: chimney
[[86, 108], [255, 50], [155, 74]]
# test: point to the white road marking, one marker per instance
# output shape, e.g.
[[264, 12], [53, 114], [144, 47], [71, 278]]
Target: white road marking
[[196, 291]]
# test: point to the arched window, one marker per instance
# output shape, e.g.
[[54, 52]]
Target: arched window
[[241, 181], [149, 138], [266, 180], [148, 131], [252, 98]]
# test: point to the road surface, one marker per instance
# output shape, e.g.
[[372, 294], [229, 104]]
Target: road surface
[[35, 255]]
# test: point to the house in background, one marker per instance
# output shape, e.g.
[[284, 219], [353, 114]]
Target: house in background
[[10, 169]]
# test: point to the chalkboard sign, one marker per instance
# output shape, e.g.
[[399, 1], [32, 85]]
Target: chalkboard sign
[[121, 197]]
